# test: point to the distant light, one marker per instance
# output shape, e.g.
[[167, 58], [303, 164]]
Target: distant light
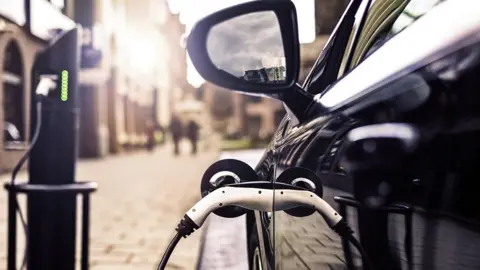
[[64, 87]]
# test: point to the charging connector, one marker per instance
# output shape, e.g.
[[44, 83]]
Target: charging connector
[[46, 84], [260, 196], [262, 199]]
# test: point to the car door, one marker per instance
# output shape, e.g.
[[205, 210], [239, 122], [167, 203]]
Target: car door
[[289, 234], [438, 222], [305, 242]]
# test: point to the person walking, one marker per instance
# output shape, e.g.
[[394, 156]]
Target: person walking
[[150, 132], [192, 133], [176, 129]]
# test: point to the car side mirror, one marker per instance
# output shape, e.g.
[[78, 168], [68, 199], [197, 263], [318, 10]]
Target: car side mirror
[[251, 47]]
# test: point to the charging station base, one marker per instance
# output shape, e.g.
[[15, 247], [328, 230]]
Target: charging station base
[[83, 188]]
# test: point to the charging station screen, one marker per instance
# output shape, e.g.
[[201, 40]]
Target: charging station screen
[[64, 86]]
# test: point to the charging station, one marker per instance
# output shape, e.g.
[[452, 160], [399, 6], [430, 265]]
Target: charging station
[[52, 189]]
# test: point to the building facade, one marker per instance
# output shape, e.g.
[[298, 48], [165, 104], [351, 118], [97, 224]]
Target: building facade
[[23, 32], [125, 74], [124, 79]]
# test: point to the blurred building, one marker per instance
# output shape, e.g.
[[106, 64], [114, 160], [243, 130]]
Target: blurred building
[[181, 90], [128, 63], [127, 73], [327, 14], [241, 115], [186, 100], [21, 36]]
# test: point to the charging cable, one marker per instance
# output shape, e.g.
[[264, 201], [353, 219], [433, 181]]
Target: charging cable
[[46, 84], [260, 196]]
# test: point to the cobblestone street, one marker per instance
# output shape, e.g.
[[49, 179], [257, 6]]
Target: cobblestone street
[[141, 198]]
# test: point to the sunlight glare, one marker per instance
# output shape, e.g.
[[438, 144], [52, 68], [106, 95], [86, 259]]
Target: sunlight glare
[[145, 55]]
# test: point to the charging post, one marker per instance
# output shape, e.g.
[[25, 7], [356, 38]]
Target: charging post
[[52, 190], [52, 217]]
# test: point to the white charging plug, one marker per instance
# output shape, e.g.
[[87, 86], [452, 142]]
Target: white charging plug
[[266, 200], [46, 84], [260, 197]]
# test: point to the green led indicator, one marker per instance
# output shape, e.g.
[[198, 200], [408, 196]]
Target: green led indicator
[[64, 87]]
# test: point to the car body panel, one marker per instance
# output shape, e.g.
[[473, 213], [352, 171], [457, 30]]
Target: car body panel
[[441, 97]]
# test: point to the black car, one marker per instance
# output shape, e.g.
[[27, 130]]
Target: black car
[[388, 120]]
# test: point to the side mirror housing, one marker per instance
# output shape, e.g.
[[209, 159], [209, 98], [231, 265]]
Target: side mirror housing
[[251, 47]]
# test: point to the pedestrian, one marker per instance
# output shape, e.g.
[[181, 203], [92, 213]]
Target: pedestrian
[[192, 133], [176, 130], [150, 132]]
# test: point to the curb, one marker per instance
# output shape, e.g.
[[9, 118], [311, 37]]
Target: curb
[[202, 246]]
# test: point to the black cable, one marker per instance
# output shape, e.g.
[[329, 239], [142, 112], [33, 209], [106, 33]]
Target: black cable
[[185, 227], [168, 251], [188, 226], [15, 171], [342, 229], [354, 241]]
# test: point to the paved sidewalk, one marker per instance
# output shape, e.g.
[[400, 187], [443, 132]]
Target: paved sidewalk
[[225, 239], [141, 198]]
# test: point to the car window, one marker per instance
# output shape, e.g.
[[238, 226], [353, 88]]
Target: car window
[[325, 69], [385, 19], [352, 40]]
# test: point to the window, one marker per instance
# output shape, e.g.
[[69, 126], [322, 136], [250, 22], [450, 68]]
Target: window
[[13, 97], [326, 67], [356, 28], [385, 19]]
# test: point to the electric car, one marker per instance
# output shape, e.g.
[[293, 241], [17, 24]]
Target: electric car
[[388, 119]]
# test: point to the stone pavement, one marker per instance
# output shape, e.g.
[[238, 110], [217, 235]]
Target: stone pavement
[[140, 200], [224, 240], [308, 243]]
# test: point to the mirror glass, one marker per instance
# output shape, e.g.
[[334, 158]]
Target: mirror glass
[[249, 47]]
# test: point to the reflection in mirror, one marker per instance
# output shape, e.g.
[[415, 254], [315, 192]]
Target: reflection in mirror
[[249, 47]]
